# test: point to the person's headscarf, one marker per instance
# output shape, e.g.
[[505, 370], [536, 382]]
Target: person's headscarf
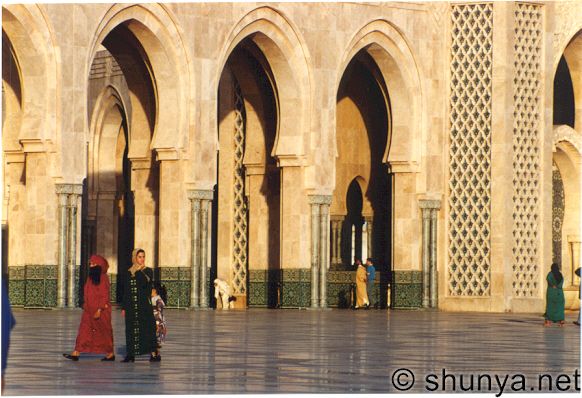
[[101, 267], [556, 272], [134, 265]]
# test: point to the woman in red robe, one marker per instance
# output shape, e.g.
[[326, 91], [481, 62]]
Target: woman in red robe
[[95, 332]]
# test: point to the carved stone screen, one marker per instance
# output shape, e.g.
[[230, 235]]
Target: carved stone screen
[[470, 150], [526, 152], [240, 236]]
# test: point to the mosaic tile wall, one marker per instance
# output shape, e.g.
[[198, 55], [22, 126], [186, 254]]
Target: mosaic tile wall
[[33, 286], [177, 283], [407, 289], [291, 288]]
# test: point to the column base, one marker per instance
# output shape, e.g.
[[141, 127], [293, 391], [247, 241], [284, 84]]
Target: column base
[[240, 303]]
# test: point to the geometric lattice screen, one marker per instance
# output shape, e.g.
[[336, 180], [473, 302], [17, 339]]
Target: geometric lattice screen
[[526, 153], [469, 268], [558, 203], [240, 236]]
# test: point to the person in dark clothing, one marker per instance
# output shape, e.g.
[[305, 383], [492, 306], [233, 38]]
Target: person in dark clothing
[[8, 323], [140, 325]]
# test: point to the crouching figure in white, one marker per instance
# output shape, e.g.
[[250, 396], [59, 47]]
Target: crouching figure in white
[[223, 289]]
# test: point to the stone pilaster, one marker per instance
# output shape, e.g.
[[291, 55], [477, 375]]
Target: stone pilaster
[[369, 228], [69, 197], [200, 201]]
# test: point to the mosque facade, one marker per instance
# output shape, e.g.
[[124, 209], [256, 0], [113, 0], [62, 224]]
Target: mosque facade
[[270, 144]]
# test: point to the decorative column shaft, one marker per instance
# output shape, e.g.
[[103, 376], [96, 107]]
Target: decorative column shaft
[[200, 201], [319, 249], [369, 229], [62, 267], [314, 254], [71, 268], [429, 210], [67, 268], [204, 252], [425, 256], [433, 260], [324, 256], [195, 253]]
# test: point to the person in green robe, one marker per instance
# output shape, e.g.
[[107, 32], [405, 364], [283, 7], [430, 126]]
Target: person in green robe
[[140, 324], [554, 297]]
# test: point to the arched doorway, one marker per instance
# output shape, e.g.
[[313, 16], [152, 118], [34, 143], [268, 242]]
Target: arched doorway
[[364, 214], [122, 175], [249, 179], [566, 167]]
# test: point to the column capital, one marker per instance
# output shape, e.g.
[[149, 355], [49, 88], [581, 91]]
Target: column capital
[[69, 189], [336, 218], [200, 194], [429, 204], [319, 199]]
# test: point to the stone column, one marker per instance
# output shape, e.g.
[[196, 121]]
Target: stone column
[[434, 291], [62, 266], [200, 203], [369, 228], [67, 268], [429, 210], [574, 243], [315, 252], [319, 249], [324, 251], [333, 240], [425, 252]]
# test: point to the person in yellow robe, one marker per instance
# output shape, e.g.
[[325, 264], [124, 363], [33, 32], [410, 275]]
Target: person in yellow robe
[[361, 281]]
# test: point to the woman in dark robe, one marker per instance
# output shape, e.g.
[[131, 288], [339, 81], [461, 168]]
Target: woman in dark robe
[[555, 301], [95, 333], [140, 325]]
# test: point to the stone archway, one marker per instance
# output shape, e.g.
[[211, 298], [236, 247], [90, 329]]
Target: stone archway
[[263, 100], [108, 226], [567, 162], [386, 57], [30, 116]]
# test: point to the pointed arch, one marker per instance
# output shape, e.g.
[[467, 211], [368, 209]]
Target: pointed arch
[[388, 47], [286, 53], [32, 40], [160, 38]]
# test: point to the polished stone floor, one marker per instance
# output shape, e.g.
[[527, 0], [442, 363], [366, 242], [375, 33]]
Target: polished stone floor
[[291, 351]]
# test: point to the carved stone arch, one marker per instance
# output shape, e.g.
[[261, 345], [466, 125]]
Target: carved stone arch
[[108, 118], [568, 134], [286, 53], [160, 38], [32, 41], [396, 62], [567, 157], [573, 55]]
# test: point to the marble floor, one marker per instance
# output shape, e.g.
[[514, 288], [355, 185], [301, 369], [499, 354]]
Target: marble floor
[[297, 351]]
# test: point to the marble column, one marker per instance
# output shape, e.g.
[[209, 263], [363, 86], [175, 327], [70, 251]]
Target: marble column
[[574, 243], [324, 250], [314, 253], [319, 249], [336, 239], [67, 272], [425, 255], [429, 210], [369, 228], [200, 201]]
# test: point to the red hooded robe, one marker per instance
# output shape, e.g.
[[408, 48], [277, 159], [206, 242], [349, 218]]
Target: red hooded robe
[[96, 335]]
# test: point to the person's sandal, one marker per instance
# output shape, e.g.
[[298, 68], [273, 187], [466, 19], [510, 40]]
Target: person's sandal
[[71, 357]]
